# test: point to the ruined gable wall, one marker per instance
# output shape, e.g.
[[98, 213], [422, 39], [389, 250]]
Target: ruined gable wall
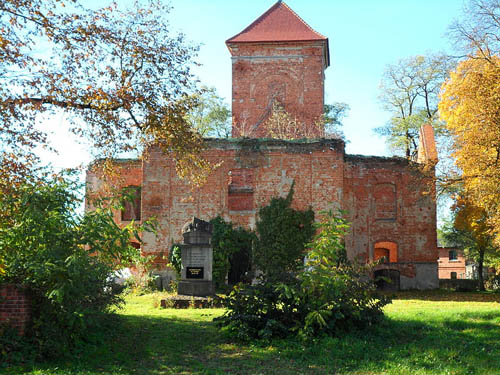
[[387, 200], [293, 73], [252, 173]]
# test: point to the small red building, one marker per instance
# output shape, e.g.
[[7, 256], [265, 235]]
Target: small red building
[[451, 263]]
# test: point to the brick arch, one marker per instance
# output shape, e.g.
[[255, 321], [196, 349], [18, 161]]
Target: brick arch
[[280, 87], [385, 248]]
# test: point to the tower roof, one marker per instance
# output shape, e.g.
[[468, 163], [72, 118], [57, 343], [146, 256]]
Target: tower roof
[[278, 24]]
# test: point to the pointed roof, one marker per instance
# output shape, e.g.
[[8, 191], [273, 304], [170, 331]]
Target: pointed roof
[[278, 24]]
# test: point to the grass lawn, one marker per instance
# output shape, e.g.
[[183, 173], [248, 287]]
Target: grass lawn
[[423, 333]]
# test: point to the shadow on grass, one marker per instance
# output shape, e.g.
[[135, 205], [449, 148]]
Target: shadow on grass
[[169, 345]]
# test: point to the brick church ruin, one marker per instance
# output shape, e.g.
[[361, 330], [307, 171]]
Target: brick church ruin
[[280, 58]]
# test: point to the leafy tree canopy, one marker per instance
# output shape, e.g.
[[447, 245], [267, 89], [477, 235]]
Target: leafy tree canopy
[[409, 91], [121, 78], [471, 231], [211, 116], [469, 105]]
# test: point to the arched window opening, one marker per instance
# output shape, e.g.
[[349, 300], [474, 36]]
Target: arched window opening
[[387, 250]]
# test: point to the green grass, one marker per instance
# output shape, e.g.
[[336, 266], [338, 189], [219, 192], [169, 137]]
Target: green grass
[[423, 333]]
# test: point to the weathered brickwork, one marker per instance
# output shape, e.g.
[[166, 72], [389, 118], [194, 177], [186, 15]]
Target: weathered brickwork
[[15, 307], [289, 74], [387, 199]]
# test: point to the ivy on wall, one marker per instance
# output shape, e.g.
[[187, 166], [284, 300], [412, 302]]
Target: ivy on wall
[[282, 234]]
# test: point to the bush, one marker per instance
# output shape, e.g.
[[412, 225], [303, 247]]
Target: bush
[[282, 234], [174, 258], [231, 250], [65, 260], [329, 295]]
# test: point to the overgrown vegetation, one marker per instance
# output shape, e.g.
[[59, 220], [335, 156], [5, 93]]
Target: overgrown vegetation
[[232, 251], [282, 233], [330, 294], [63, 259]]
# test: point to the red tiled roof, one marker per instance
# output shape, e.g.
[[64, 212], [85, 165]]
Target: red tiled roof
[[278, 24]]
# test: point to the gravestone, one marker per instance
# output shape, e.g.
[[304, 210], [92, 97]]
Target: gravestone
[[196, 258]]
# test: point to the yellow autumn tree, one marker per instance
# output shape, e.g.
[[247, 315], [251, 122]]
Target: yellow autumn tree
[[473, 233], [470, 106]]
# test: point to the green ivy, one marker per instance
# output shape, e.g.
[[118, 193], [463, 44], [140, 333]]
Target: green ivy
[[282, 233], [231, 250]]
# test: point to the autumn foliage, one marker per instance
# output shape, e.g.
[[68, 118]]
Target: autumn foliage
[[470, 103], [120, 77]]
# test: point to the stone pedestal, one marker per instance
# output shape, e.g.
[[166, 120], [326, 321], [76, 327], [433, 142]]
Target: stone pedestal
[[197, 258]]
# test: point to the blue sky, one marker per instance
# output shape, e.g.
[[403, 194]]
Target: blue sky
[[365, 36]]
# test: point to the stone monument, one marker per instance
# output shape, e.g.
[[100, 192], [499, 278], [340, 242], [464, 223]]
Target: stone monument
[[196, 258]]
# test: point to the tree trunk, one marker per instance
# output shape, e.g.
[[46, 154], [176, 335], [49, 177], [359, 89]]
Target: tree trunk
[[480, 269]]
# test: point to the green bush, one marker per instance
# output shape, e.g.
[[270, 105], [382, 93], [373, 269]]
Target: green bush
[[329, 295], [174, 258], [282, 234], [65, 260], [231, 250]]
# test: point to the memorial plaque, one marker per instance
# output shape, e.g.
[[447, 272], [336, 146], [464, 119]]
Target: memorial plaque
[[194, 272], [197, 257]]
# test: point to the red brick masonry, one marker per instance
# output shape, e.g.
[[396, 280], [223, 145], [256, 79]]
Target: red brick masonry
[[15, 307]]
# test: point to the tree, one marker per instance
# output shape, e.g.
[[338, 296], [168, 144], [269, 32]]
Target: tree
[[121, 78], [328, 295], [469, 105], [211, 117], [409, 91], [477, 35], [332, 118], [229, 243], [282, 125], [471, 231]]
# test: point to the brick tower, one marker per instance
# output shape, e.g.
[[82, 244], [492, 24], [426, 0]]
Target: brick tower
[[278, 59]]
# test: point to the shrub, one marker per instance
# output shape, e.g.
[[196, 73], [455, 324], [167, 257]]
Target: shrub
[[282, 234], [64, 259], [329, 295], [231, 250], [174, 258]]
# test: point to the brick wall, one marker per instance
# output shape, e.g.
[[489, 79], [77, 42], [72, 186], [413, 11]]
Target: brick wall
[[290, 73], [15, 307], [251, 174], [388, 200]]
